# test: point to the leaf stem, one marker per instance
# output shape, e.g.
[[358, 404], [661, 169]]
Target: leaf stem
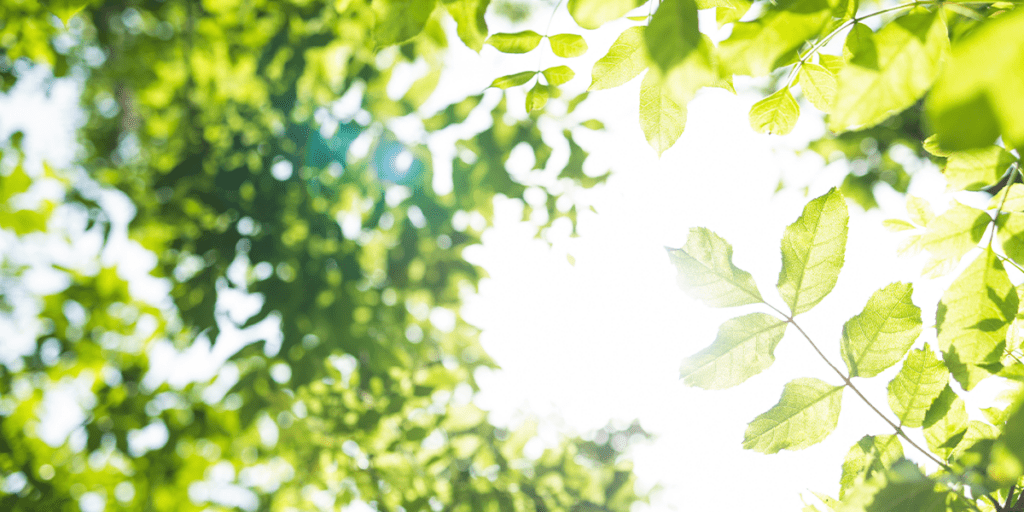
[[849, 383], [547, 33]]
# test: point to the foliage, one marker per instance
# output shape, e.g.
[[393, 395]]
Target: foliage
[[219, 121]]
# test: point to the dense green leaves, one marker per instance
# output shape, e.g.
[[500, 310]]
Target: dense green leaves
[[707, 273], [568, 45], [889, 70], [672, 33], [66, 9], [978, 96], [945, 423], [744, 347], [813, 251], [881, 334], [757, 47], [519, 42], [776, 114], [871, 454], [626, 59], [726, 11], [971, 325], [976, 169], [916, 386], [807, 413]]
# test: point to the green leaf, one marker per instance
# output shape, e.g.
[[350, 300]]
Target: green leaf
[[833, 63], [945, 423], [661, 117], [17, 182], [513, 80], [706, 271], [906, 489], [568, 45], [744, 347], [727, 11], [889, 71], [776, 114], [626, 59], [916, 386], [976, 169], [66, 9], [978, 98], [881, 334], [807, 413], [672, 33], [469, 18], [955, 232], [813, 250], [871, 454], [537, 97], [931, 145], [398, 21], [1010, 231], [919, 210], [757, 47], [591, 14], [1014, 199], [519, 42], [974, 313], [558, 75], [976, 431], [896, 225], [818, 85]]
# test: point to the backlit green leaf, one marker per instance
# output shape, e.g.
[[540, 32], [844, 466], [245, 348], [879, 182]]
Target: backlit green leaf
[[398, 21], [870, 454], [906, 489], [672, 33], [1014, 199], [661, 117], [706, 271], [757, 47], [727, 11], [976, 431], [519, 42], [469, 18], [974, 313], [889, 71], [813, 250], [558, 75], [881, 334], [818, 85], [66, 9], [916, 386], [744, 347], [978, 96], [919, 210], [833, 63], [975, 169], [1011, 235], [776, 114], [807, 413], [537, 97], [513, 80], [955, 232], [945, 423], [931, 145], [591, 14], [896, 225], [626, 59], [568, 45]]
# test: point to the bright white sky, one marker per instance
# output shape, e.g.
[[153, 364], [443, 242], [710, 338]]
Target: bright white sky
[[604, 338]]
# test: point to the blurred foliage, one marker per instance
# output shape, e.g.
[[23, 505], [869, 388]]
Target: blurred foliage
[[220, 122]]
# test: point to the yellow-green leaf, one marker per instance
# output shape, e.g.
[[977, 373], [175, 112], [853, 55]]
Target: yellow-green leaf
[[776, 114], [626, 59], [890, 71], [471, 26], [757, 47], [1009, 199], [558, 75], [672, 33], [568, 45], [975, 169], [707, 273], [916, 386], [818, 85], [591, 14], [398, 21], [727, 11], [661, 117], [955, 232], [881, 334], [744, 347], [66, 9], [945, 423], [813, 251], [513, 80], [537, 97], [1011, 235], [807, 413], [870, 454], [519, 42]]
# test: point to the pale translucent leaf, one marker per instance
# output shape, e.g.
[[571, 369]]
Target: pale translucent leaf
[[513, 80], [975, 169], [881, 334], [807, 413], [919, 210], [896, 225], [1010, 231], [591, 14], [916, 386], [568, 45], [1009, 199], [818, 85], [744, 347], [890, 72], [537, 97], [833, 63], [813, 250], [776, 114], [757, 47], [662, 118], [945, 423], [727, 11], [707, 273], [558, 75], [519, 42], [955, 232], [870, 454], [626, 59]]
